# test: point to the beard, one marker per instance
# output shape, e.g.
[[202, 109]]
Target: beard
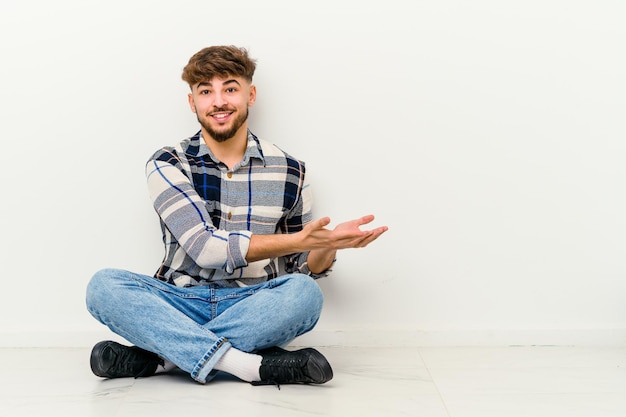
[[223, 135]]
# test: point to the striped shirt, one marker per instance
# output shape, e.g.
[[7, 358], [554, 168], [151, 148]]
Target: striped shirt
[[208, 213]]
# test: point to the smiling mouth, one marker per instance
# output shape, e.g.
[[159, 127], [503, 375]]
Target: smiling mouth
[[221, 116]]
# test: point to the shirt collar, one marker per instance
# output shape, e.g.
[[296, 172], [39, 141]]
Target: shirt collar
[[197, 147]]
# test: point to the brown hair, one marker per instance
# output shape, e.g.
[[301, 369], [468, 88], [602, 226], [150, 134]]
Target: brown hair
[[221, 62]]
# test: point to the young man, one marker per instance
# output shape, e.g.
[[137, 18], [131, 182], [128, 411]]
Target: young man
[[241, 250]]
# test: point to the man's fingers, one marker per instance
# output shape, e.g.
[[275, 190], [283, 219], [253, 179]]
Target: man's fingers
[[320, 223], [371, 236], [365, 219], [346, 235]]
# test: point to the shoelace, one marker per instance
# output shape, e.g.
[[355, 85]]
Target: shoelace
[[285, 369], [130, 362]]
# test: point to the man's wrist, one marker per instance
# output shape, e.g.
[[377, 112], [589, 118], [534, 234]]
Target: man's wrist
[[319, 260], [273, 246]]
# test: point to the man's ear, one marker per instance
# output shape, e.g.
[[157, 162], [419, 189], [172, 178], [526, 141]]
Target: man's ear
[[192, 103], [252, 98]]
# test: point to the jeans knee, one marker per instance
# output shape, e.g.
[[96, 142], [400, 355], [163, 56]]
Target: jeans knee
[[99, 289], [307, 293]]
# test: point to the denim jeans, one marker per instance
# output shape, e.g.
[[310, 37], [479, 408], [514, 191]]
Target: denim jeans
[[194, 326]]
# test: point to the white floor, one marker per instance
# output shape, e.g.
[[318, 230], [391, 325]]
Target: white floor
[[386, 382]]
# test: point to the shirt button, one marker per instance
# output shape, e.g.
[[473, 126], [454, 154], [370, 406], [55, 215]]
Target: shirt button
[[230, 216], [229, 175]]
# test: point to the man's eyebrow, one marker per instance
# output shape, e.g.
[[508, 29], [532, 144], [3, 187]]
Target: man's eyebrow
[[208, 83], [232, 81]]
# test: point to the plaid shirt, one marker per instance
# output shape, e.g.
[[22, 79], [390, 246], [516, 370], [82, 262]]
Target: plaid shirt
[[208, 212]]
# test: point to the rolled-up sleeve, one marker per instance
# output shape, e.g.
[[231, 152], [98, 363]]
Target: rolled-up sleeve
[[183, 212]]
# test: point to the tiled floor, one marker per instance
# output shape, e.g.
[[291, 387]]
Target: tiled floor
[[385, 382]]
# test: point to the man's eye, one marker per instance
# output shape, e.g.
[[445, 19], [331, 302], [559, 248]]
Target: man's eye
[[231, 90], [204, 92]]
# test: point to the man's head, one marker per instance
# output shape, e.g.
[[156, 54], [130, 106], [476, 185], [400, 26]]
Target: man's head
[[220, 78]]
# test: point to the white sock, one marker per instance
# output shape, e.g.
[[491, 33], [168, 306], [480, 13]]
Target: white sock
[[243, 365]]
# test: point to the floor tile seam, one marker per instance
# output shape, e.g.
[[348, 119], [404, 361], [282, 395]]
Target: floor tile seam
[[124, 398], [439, 393]]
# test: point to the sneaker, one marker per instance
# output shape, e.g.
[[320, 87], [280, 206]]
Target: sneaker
[[304, 366], [111, 360]]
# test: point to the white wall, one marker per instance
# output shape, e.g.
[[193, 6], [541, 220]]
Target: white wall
[[488, 135]]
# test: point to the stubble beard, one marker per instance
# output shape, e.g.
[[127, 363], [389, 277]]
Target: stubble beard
[[224, 135]]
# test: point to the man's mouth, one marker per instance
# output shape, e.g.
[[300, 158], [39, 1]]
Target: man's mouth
[[221, 116]]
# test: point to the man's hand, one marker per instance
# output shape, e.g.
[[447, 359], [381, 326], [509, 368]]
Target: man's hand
[[346, 235], [325, 243]]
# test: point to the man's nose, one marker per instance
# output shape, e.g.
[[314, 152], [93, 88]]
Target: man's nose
[[219, 100]]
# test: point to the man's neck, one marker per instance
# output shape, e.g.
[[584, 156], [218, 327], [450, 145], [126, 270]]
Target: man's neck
[[231, 151]]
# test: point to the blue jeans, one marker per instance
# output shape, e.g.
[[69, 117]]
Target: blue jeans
[[194, 326]]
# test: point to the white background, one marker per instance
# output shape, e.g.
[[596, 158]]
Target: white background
[[489, 136]]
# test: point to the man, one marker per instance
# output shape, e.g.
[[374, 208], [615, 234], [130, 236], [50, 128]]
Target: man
[[241, 250]]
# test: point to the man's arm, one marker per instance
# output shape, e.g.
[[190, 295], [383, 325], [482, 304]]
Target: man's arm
[[184, 214], [322, 243]]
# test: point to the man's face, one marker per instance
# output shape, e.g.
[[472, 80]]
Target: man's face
[[221, 105]]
